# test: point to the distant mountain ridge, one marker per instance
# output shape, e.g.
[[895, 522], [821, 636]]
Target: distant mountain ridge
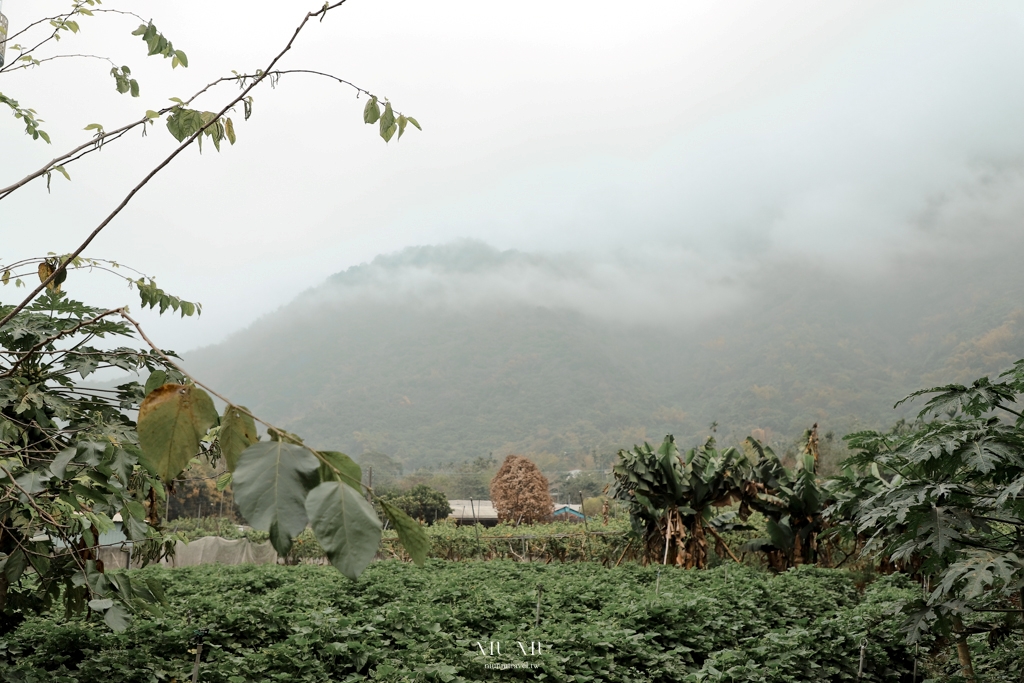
[[445, 353]]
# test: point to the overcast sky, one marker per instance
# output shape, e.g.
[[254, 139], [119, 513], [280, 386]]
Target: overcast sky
[[712, 138]]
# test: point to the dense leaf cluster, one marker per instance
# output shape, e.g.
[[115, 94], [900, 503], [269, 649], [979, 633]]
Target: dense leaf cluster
[[398, 624], [675, 501], [943, 498], [70, 461]]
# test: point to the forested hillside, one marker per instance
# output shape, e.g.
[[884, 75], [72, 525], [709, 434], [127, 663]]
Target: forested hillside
[[441, 354]]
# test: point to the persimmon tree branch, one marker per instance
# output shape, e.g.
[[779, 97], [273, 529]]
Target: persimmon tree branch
[[264, 74]]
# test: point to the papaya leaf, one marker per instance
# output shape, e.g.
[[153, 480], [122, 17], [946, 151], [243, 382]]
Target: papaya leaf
[[237, 432], [270, 481], [172, 421], [410, 533], [345, 525]]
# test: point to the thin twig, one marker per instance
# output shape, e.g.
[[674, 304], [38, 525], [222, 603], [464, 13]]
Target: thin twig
[[195, 136]]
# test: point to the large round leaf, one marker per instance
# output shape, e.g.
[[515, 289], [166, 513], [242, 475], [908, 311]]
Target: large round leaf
[[346, 526], [270, 484], [172, 421]]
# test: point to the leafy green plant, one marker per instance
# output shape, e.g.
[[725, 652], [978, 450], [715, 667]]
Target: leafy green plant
[[421, 502], [943, 500], [308, 624], [792, 502], [673, 498], [73, 457], [70, 462]]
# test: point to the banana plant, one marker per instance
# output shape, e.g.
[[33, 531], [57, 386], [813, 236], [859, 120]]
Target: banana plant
[[673, 498], [792, 502]]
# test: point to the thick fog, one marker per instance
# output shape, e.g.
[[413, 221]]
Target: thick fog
[[654, 159]]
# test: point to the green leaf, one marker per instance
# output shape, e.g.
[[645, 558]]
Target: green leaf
[[402, 122], [60, 169], [181, 58], [172, 421], [410, 533], [156, 379], [352, 474], [270, 482], [101, 604], [345, 525], [117, 618], [237, 432], [388, 123], [371, 112], [229, 128], [224, 481], [782, 536], [134, 85], [414, 122], [60, 462]]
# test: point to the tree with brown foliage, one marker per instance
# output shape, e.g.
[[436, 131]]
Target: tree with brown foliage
[[519, 492]]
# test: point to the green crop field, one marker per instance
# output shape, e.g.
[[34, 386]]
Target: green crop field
[[443, 623]]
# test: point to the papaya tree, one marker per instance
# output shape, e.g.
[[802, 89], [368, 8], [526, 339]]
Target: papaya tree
[[674, 499], [73, 456], [944, 499]]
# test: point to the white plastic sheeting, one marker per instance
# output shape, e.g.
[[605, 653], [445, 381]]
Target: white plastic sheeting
[[208, 550]]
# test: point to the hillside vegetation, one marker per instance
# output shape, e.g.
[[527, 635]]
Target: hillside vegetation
[[443, 354]]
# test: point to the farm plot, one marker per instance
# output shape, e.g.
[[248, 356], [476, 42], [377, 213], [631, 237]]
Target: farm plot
[[478, 621]]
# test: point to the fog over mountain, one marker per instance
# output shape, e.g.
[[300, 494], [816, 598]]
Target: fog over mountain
[[448, 352], [763, 234]]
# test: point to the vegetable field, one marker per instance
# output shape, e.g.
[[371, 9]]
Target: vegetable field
[[465, 621]]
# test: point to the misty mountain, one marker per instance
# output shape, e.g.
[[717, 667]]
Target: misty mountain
[[445, 353]]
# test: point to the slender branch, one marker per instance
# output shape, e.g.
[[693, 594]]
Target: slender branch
[[76, 10], [91, 145], [26, 65], [1012, 412]]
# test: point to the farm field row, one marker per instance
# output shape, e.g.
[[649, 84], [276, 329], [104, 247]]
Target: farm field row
[[476, 621]]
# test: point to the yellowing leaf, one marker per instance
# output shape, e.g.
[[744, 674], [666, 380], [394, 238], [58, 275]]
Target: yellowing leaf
[[172, 421], [45, 270]]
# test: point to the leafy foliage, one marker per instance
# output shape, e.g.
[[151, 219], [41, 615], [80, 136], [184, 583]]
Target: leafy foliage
[[307, 624], [73, 458], [672, 498], [421, 502], [942, 498], [792, 501], [71, 461]]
